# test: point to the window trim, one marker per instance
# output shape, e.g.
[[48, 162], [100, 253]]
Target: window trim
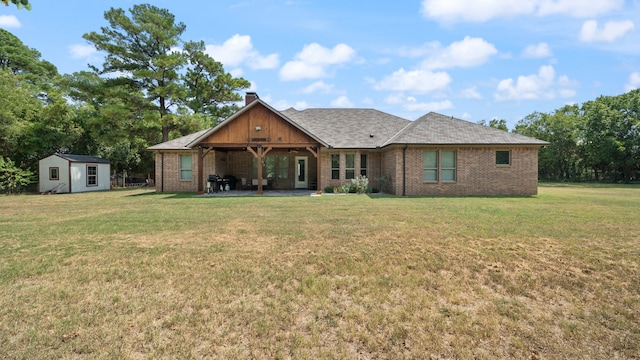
[[439, 168], [348, 169], [182, 171], [53, 169], [509, 158], [335, 170], [454, 168], [364, 169], [92, 176]]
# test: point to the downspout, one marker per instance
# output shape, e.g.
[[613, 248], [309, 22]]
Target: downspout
[[161, 172], [404, 170]]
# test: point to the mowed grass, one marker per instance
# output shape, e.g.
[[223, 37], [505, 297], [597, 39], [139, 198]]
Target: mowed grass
[[136, 274]]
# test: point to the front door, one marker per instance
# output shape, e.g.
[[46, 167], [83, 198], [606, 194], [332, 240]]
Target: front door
[[302, 172]]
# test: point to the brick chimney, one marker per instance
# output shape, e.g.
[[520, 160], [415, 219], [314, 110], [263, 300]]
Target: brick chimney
[[249, 97]]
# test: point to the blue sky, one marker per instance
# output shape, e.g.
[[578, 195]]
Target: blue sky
[[472, 59]]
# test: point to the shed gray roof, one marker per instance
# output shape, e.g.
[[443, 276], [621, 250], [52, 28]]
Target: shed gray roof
[[349, 128], [437, 129], [83, 158]]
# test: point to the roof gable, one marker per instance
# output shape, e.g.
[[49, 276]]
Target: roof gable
[[242, 128]]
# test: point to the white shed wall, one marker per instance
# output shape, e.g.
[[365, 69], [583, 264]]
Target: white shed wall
[[62, 184], [79, 177]]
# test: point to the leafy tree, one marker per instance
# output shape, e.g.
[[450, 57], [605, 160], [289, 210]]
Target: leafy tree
[[495, 123], [209, 87], [13, 178], [20, 4], [612, 135], [561, 160], [143, 48]]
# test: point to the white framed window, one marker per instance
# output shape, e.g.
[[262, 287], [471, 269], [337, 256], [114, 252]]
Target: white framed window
[[92, 175], [430, 166], [448, 166], [335, 166], [439, 166], [186, 167], [349, 166], [54, 173]]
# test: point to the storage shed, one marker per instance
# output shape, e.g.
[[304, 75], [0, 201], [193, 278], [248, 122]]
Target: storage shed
[[66, 173]]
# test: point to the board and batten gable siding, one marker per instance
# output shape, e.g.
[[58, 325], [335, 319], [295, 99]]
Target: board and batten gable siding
[[45, 184], [476, 172]]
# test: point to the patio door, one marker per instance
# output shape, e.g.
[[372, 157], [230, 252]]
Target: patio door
[[302, 172]]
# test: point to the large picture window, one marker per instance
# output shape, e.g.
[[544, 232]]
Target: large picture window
[[439, 166], [186, 167], [335, 166], [92, 175]]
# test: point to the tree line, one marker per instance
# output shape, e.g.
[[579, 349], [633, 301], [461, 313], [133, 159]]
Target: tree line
[[152, 86], [596, 141]]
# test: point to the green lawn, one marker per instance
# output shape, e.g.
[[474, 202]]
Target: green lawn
[[135, 274]]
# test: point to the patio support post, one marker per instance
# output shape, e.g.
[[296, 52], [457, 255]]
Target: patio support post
[[316, 154], [200, 171], [260, 159]]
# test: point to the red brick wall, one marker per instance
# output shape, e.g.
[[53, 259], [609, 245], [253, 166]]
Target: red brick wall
[[476, 173], [476, 170]]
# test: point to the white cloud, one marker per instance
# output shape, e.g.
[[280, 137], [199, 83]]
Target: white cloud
[[484, 10], [284, 104], [318, 86], [342, 102], [9, 21], [471, 93], [82, 51], [578, 8], [542, 85], [413, 105], [536, 51], [475, 11], [239, 50], [634, 81], [417, 81], [410, 103], [312, 62], [611, 30], [469, 52]]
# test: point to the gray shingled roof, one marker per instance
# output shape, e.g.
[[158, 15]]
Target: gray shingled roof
[[179, 143], [83, 158], [370, 128], [437, 129], [348, 128]]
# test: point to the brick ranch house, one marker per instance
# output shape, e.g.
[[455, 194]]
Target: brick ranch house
[[315, 148]]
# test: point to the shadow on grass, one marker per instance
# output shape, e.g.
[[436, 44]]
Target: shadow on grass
[[167, 195], [589, 185]]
